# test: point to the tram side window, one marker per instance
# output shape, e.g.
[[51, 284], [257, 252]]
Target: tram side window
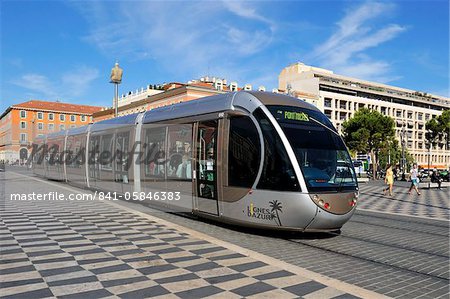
[[74, 154], [278, 172], [105, 157], [79, 152], [38, 153], [180, 152], [69, 152], [244, 152], [155, 156], [121, 151], [53, 153]]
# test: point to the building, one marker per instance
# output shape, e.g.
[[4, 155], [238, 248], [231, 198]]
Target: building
[[21, 123], [138, 94], [340, 96], [169, 94]]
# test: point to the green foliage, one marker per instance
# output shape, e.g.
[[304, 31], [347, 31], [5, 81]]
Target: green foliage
[[368, 130], [438, 130]]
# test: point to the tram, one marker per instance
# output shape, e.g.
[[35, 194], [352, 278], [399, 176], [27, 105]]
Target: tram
[[249, 158]]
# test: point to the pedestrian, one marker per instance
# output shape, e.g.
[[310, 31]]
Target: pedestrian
[[436, 178], [414, 177], [389, 180]]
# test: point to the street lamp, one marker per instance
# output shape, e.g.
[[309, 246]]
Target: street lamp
[[116, 79], [403, 138], [429, 158]]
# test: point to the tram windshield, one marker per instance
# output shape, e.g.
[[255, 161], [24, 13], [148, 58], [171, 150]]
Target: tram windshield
[[320, 151]]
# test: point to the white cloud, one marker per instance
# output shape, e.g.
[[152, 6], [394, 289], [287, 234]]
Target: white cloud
[[71, 84], [344, 51], [242, 9], [180, 36], [37, 83], [77, 81]]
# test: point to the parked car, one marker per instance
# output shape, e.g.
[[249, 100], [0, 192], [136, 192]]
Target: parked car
[[445, 175]]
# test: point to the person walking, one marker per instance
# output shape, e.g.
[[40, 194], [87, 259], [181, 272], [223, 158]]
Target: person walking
[[414, 177], [389, 180]]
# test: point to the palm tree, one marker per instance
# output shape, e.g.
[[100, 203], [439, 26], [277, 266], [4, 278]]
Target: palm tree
[[276, 206]]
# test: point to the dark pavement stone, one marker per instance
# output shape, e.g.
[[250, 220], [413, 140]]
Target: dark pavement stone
[[199, 292]]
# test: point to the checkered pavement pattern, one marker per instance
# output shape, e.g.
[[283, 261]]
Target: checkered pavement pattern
[[97, 250], [432, 203]]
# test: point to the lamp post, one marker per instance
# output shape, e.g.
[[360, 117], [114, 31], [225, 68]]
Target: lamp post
[[429, 158], [403, 137], [116, 79]]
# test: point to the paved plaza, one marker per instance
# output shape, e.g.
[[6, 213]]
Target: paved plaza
[[432, 203], [96, 249]]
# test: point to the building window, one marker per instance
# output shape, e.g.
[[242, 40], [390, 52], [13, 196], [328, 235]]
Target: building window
[[410, 115], [427, 116], [23, 114], [72, 118], [51, 127], [40, 115], [23, 125], [83, 118], [51, 116], [40, 126], [419, 116], [398, 113], [383, 110], [62, 117], [62, 127], [23, 137], [327, 102]]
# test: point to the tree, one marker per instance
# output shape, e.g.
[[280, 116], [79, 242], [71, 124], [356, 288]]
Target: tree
[[438, 130], [368, 131], [392, 149]]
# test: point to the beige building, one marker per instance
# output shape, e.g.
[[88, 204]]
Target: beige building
[[138, 94], [340, 96]]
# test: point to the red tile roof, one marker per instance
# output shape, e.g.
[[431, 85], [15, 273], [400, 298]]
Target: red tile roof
[[57, 107]]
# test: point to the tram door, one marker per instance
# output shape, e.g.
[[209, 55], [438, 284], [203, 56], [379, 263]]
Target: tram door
[[206, 167]]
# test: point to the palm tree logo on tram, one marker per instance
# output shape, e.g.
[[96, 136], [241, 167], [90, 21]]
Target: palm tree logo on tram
[[276, 206]]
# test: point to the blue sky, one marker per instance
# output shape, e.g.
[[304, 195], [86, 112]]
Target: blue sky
[[65, 49]]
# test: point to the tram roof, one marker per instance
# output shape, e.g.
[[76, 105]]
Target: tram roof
[[57, 134], [223, 102], [78, 130], [116, 122]]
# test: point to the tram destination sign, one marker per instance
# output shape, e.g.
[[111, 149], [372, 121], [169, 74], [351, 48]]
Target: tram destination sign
[[293, 115]]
